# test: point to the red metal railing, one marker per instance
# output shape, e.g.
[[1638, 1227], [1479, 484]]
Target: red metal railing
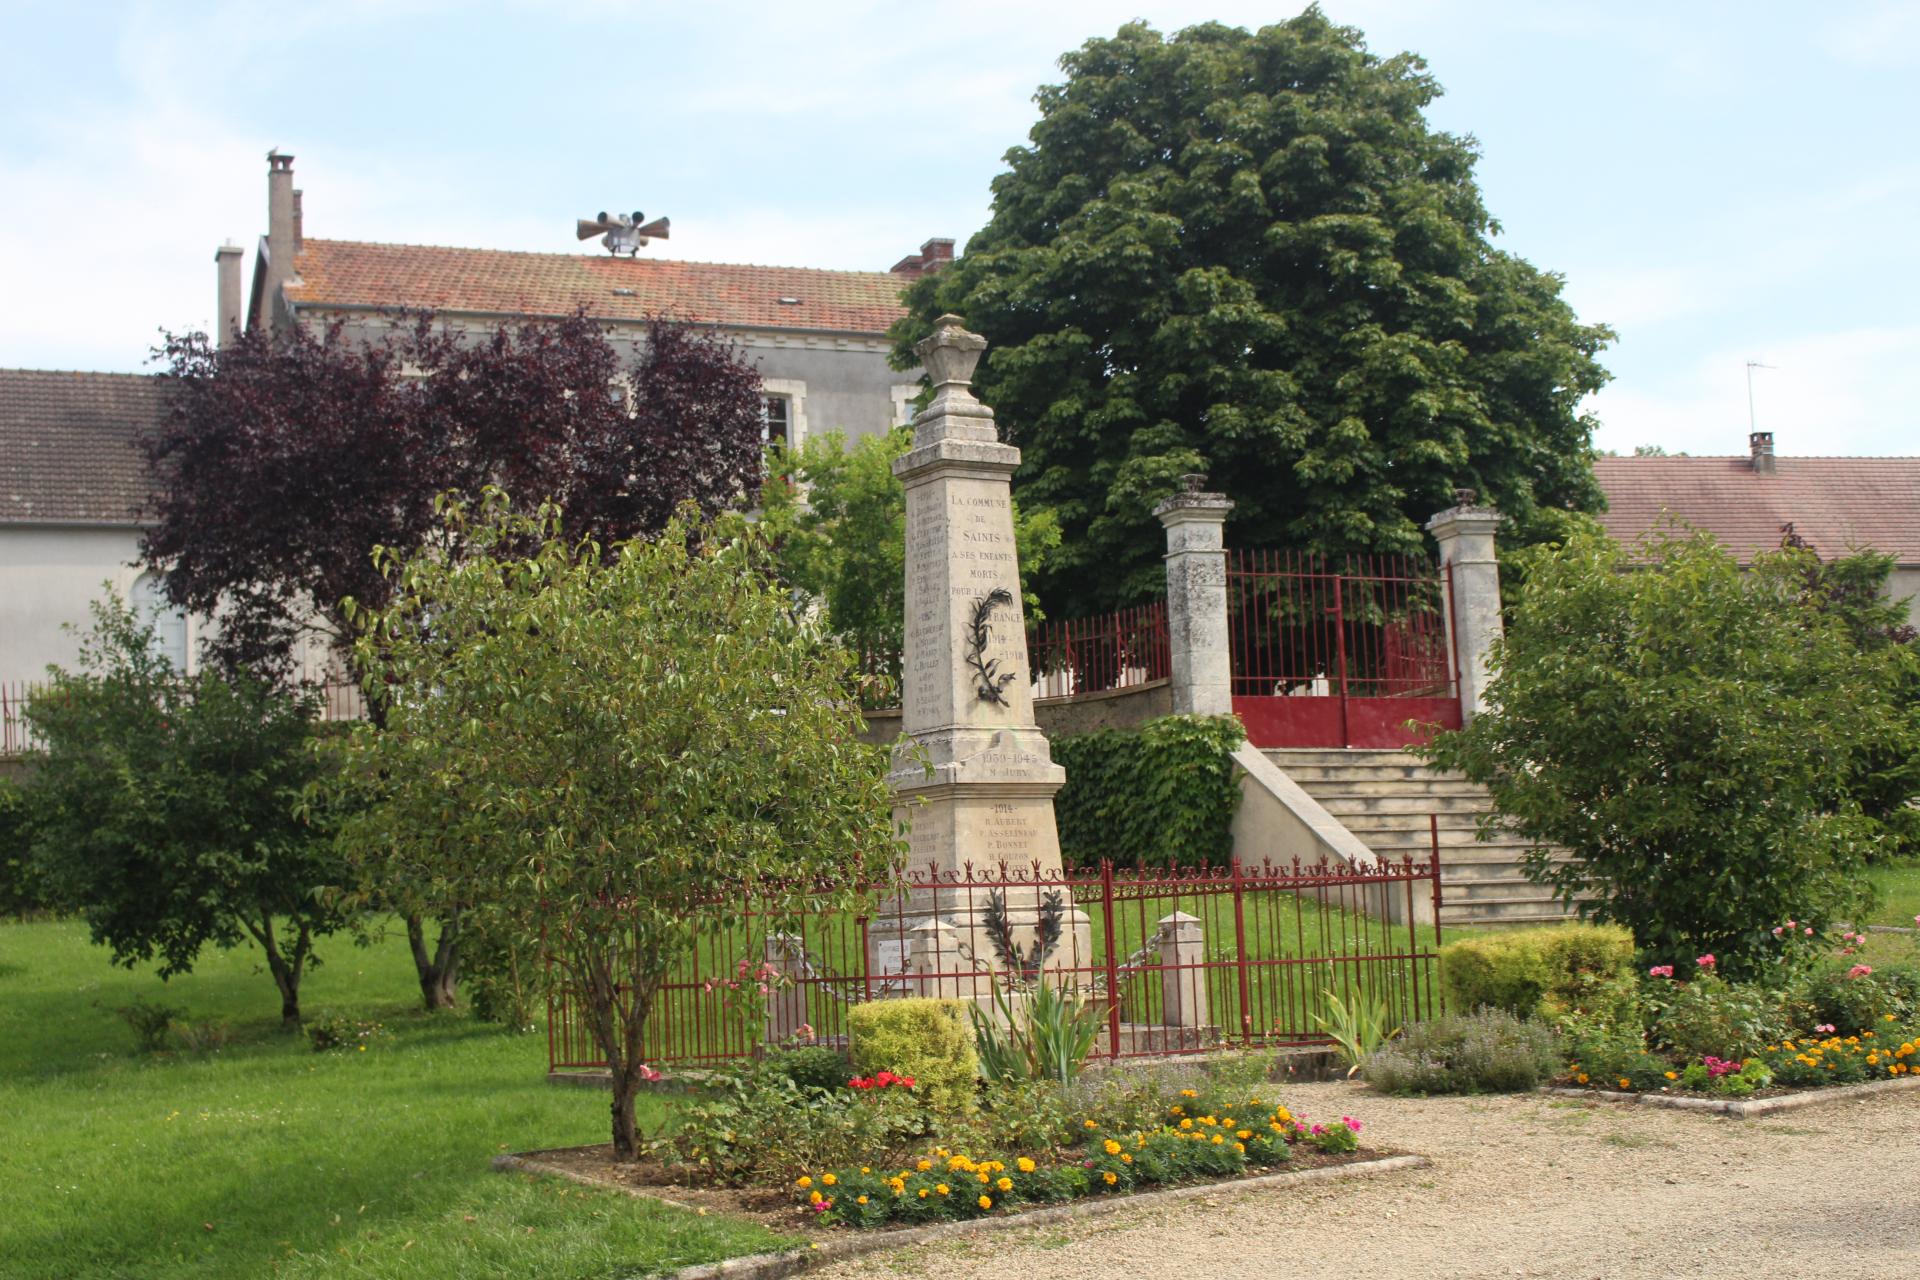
[[1066, 658], [339, 700], [1345, 655], [1177, 961]]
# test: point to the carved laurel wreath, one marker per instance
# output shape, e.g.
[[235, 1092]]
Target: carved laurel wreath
[[992, 681], [1026, 965]]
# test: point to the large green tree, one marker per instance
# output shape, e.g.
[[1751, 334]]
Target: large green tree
[[609, 753], [1248, 254]]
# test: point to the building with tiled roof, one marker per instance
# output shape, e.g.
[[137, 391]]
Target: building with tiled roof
[[818, 337], [1748, 503], [72, 492]]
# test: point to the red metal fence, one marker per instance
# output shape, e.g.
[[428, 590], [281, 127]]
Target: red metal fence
[[1175, 961], [339, 700], [1347, 656], [1119, 650]]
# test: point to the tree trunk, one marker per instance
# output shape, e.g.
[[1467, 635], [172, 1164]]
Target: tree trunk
[[439, 972], [286, 975], [626, 1138]]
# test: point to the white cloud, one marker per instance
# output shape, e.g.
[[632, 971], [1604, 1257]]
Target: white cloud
[[1839, 393]]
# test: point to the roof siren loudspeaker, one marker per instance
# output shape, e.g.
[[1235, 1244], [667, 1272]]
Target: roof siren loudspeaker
[[622, 233]]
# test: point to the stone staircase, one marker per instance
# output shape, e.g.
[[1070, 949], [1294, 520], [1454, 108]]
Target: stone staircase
[[1385, 798]]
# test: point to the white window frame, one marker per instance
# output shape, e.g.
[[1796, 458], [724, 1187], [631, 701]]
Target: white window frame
[[794, 392]]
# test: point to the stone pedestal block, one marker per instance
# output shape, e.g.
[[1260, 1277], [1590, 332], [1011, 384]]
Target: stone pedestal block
[[1183, 990]]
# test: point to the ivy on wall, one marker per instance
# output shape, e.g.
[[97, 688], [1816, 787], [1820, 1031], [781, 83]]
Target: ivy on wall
[[1162, 795]]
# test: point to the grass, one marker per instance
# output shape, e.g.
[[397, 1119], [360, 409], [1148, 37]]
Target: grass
[[267, 1159], [1899, 884]]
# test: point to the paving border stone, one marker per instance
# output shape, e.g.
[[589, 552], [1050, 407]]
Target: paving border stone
[[1742, 1108], [787, 1262]]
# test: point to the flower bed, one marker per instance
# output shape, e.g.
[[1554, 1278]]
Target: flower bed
[[946, 1185]]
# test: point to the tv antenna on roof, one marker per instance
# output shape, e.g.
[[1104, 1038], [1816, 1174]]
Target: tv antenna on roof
[[623, 233], [1751, 366]]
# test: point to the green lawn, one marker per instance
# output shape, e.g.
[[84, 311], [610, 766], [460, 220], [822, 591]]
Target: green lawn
[[1900, 889], [266, 1158]]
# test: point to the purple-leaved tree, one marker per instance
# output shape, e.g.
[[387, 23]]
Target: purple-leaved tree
[[284, 460]]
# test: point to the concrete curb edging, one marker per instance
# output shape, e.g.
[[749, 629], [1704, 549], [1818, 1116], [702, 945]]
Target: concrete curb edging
[[1743, 1109], [772, 1266]]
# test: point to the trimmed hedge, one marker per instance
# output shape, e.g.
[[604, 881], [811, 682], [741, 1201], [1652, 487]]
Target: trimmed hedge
[[1536, 971], [929, 1040], [1162, 795]]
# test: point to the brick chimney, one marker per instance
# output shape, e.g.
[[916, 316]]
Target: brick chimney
[[227, 319], [299, 221], [933, 255], [281, 234], [1760, 446]]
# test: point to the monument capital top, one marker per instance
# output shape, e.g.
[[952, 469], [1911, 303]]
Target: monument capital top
[[950, 352]]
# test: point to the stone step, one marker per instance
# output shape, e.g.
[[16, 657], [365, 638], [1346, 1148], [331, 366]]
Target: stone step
[[1285, 756], [1366, 788], [1492, 889], [1311, 776], [1492, 871], [1422, 804], [1529, 910]]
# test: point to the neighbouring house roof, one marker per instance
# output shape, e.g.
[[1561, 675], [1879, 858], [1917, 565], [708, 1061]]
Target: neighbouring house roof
[[67, 445], [1837, 504], [349, 273]]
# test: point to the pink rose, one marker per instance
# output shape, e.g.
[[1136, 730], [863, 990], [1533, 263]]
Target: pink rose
[[1825, 1028], [1660, 971], [1776, 931], [1860, 971], [1809, 931], [1706, 961]]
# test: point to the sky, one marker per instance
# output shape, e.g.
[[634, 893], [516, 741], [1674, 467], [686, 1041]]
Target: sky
[[1719, 183]]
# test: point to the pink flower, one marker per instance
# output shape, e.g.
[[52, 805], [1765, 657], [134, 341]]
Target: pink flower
[[1791, 923], [1776, 931], [1825, 1028], [1706, 961], [648, 1074], [1809, 931], [1351, 1123], [1660, 971], [1860, 971], [804, 1031]]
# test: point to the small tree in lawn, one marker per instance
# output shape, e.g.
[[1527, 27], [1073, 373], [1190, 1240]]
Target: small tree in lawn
[[1690, 733], [164, 809], [285, 460], [609, 750]]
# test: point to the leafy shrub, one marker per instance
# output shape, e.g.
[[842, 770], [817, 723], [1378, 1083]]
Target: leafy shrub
[[498, 972], [1162, 795], [1486, 1051], [1548, 972], [22, 891], [209, 1035], [337, 1031], [929, 1040], [756, 1125], [149, 1023], [814, 1068], [1850, 1005], [1709, 1015], [1612, 1056]]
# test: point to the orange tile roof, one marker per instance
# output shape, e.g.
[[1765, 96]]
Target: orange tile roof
[[1834, 503], [356, 274]]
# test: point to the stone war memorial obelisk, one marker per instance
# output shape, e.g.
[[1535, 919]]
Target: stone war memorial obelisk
[[975, 780]]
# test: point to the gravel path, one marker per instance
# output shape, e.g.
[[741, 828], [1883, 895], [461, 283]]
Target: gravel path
[[1521, 1186]]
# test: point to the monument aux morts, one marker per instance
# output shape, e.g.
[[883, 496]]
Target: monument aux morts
[[975, 778]]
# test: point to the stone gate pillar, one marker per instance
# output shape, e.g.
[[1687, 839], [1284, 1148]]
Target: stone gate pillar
[[1465, 534], [1197, 599], [975, 780]]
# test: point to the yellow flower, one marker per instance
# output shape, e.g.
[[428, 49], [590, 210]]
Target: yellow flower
[[1241, 1147], [1218, 1140], [1126, 1159], [1244, 1134], [1227, 1121], [1110, 1178], [1625, 1083], [982, 1177], [984, 1203], [827, 1179], [804, 1183], [1024, 1165], [1186, 1124], [923, 1193], [865, 1169], [1673, 1075], [1005, 1184], [1112, 1147], [1282, 1114], [815, 1197], [1189, 1093], [924, 1165], [1089, 1124], [1582, 1077], [941, 1189], [1177, 1111]]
